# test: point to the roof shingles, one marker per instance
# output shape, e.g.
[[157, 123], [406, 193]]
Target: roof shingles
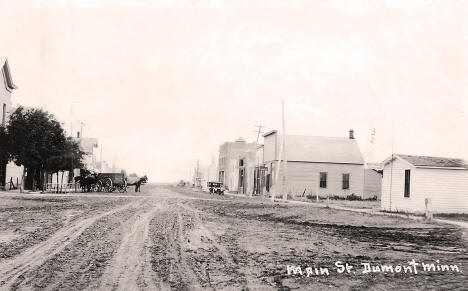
[[322, 149], [439, 162]]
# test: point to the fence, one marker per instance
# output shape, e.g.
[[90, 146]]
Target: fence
[[61, 188], [11, 184]]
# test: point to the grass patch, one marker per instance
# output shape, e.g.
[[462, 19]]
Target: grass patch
[[351, 197], [452, 216]]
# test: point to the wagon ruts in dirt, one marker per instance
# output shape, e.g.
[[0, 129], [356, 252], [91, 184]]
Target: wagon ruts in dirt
[[216, 188], [109, 182]]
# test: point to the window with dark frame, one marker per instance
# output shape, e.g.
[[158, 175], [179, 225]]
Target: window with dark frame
[[323, 179], [345, 183], [407, 183]]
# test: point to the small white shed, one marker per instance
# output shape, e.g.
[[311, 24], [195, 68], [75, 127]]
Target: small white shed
[[408, 180]]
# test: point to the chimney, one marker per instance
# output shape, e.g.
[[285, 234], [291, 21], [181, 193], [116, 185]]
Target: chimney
[[351, 134], [78, 134]]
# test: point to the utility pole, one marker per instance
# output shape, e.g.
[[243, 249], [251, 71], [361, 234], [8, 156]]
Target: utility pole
[[366, 158], [258, 131], [196, 178], [275, 186], [285, 159], [391, 168]]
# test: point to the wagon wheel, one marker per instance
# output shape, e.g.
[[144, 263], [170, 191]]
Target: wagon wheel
[[98, 187], [108, 185]]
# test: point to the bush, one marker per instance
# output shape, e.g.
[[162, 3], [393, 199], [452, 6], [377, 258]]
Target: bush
[[310, 196], [353, 197], [337, 197], [373, 198]]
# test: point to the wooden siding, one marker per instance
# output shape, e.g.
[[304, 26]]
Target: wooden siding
[[269, 148], [397, 201], [305, 176], [448, 189], [5, 97]]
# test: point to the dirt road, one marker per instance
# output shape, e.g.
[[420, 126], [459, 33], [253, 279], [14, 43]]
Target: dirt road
[[171, 238]]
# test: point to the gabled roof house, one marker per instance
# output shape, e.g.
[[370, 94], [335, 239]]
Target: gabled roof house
[[327, 165], [409, 179]]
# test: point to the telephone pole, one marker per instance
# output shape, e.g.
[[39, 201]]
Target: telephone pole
[[285, 160], [258, 131], [280, 158]]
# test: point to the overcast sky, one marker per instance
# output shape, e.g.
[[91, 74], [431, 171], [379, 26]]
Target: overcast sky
[[162, 83]]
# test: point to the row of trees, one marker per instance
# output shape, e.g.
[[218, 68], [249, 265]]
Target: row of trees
[[34, 139]]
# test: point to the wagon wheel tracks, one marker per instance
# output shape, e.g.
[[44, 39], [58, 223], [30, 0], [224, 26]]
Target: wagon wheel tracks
[[130, 267], [35, 256], [224, 262]]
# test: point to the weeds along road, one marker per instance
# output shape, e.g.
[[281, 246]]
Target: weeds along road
[[173, 238]]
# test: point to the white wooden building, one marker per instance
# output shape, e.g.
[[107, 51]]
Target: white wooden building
[[8, 172], [327, 165], [408, 180]]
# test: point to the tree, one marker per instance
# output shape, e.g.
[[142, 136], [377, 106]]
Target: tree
[[37, 141], [4, 155], [66, 158]]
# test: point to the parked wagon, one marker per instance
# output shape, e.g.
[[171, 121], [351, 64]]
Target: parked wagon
[[109, 182]]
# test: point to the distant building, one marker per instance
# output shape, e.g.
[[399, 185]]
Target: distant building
[[228, 162], [89, 146], [246, 165], [261, 184], [316, 164], [10, 171], [373, 174], [207, 174], [408, 180]]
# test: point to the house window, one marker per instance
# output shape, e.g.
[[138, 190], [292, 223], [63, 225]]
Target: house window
[[407, 183], [4, 114], [323, 180], [241, 163], [345, 183]]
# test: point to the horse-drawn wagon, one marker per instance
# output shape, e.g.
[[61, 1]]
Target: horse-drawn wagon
[[109, 182], [101, 182]]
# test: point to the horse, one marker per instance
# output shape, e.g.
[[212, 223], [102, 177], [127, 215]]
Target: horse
[[138, 183], [87, 180]]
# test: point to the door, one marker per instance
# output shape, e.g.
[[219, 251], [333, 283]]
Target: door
[[259, 180], [241, 181], [267, 182]]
